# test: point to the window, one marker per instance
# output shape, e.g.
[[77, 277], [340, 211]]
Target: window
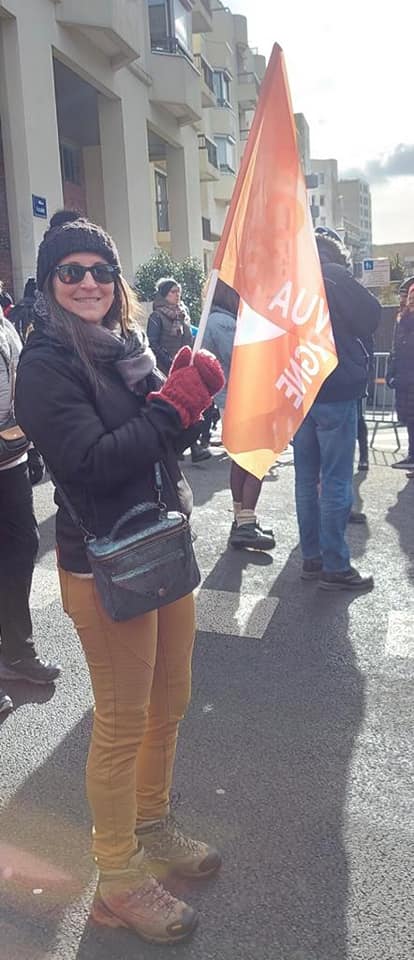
[[71, 163], [321, 200], [170, 25], [161, 202], [159, 19], [222, 88], [183, 25], [321, 179], [226, 154]]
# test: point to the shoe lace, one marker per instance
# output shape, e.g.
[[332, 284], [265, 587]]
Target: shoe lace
[[180, 839], [153, 896]]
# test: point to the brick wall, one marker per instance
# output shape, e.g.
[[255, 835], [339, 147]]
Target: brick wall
[[5, 254]]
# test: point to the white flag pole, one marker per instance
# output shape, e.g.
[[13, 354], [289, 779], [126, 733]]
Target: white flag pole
[[212, 283]]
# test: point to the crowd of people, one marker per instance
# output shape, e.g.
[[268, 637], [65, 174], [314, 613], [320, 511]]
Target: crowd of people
[[112, 412]]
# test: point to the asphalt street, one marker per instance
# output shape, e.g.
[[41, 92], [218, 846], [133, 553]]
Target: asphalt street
[[296, 757]]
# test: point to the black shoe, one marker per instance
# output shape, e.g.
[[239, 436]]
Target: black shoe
[[406, 464], [356, 517], [251, 535], [6, 703], [311, 569], [32, 669], [198, 454], [346, 580], [363, 465], [267, 530]]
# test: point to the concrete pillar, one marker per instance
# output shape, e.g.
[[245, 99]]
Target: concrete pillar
[[184, 200], [126, 174], [30, 135], [92, 166]]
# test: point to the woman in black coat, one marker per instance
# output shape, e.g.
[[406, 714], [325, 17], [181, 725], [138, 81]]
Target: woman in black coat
[[401, 375], [87, 395]]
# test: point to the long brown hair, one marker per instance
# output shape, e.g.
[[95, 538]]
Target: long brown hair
[[124, 315]]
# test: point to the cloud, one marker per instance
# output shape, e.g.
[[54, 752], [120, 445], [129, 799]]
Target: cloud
[[398, 163]]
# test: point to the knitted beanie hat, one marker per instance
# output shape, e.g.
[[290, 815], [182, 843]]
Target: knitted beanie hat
[[165, 285], [70, 232]]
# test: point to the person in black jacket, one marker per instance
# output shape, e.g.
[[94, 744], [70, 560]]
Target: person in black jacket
[[169, 329], [401, 373], [324, 445], [87, 395]]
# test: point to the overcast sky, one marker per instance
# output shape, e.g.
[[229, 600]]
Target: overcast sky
[[350, 70]]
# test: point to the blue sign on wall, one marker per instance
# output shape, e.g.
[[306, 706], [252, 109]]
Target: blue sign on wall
[[368, 264], [39, 206]]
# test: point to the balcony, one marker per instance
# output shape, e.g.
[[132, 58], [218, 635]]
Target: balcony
[[202, 16], [175, 81], [223, 190], [248, 89], [208, 96], [209, 169], [110, 25], [220, 55], [224, 122]]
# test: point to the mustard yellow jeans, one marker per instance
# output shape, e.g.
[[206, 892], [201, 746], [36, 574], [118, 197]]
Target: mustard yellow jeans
[[141, 677]]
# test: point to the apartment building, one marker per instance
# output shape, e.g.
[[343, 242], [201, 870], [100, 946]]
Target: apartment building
[[133, 111], [324, 198], [356, 207]]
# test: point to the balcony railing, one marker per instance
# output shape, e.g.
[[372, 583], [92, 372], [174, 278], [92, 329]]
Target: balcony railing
[[249, 78], [206, 229], [163, 220], [205, 70], [205, 144], [169, 45]]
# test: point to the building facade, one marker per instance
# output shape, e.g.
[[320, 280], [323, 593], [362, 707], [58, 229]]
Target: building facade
[[324, 198], [357, 208], [133, 111]]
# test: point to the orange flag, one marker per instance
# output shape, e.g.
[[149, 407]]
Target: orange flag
[[284, 347]]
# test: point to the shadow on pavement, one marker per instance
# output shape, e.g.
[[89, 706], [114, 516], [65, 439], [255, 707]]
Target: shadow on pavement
[[44, 848], [401, 517], [358, 534], [22, 693], [281, 760], [47, 536]]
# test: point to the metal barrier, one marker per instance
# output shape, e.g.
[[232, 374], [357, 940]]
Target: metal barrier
[[379, 406]]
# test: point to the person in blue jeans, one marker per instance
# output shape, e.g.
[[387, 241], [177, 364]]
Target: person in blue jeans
[[324, 445]]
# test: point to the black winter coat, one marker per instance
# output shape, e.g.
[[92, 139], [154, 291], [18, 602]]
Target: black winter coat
[[355, 315], [101, 447], [402, 367]]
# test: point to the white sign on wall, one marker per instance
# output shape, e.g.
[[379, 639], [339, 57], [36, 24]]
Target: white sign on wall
[[376, 273]]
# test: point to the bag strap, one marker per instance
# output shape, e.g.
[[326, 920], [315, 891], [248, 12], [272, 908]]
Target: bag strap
[[77, 520]]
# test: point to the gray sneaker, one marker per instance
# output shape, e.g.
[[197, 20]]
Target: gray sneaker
[[169, 850], [31, 669]]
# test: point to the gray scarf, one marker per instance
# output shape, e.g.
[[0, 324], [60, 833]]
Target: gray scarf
[[131, 355]]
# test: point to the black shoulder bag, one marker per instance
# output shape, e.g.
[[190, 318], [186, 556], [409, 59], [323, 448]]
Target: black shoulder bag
[[145, 562]]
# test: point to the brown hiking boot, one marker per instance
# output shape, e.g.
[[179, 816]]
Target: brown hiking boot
[[133, 898], [169, 850]]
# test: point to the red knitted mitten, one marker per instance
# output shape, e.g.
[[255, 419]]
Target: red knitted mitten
[[190, 388]]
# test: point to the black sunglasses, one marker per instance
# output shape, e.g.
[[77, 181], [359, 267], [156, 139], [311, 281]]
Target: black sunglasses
[[72, 273]]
